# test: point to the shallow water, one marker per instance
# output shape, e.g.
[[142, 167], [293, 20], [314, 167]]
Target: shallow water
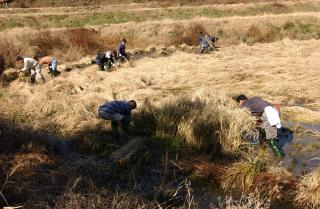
[[302, 154], [307, 126]]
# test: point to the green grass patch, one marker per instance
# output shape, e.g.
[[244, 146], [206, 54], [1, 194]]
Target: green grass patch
[[101, 18]]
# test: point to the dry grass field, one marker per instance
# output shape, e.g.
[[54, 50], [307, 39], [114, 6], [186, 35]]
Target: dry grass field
[[55, 152]]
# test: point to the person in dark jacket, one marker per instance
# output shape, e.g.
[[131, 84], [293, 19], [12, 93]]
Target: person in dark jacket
[[117, 112], [268, 117], [122, 55], [106, 60]]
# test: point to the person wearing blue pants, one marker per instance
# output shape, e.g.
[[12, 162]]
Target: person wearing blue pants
[[52, 64]]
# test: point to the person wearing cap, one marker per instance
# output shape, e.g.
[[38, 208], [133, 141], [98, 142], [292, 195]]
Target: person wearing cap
[[117, 112], [122, 50], [268, 117], [106, 60], [52, 64], [31, 65]]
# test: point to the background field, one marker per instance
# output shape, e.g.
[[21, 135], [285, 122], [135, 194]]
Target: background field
[[54, 150]]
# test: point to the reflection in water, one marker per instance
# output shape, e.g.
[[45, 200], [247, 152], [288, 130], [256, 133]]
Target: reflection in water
[[303, 154]]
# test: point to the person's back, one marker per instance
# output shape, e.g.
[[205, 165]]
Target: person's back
[[117, 112], [45, 60], [101, 56], [29, 63], [256, 105], [121, 107], [203, 41]]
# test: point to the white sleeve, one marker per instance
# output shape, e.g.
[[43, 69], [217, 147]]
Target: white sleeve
[[25, 65], [273, 116]]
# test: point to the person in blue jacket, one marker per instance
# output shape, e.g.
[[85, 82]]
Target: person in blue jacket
[[117, 112], [206, 42], [122, 55]]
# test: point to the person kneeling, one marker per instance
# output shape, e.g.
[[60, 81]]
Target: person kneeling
[[106, 60]]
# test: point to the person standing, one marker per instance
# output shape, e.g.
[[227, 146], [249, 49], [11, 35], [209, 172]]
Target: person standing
[[122, 50]]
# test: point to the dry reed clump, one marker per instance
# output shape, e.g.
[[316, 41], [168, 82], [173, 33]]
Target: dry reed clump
[[186, 34], [82, 193], [276, 183], [263, 33], [308, 190], [250, 201], [65, 45], [207, 122], [241, 175], [204, 169], [85, 40]]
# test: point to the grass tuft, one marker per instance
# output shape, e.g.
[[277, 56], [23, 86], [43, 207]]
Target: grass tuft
[[308, 193]]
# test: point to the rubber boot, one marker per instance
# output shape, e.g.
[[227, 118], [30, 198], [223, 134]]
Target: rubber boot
[[277, 150]]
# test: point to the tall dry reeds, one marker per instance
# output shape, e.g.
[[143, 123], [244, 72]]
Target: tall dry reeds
[[66, 45], [250, 201], [308, 193], [207, 122]]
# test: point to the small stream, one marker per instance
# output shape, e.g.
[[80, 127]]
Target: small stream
[[302, 154]]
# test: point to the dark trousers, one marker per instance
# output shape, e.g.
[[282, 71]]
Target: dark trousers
[[100, 64]]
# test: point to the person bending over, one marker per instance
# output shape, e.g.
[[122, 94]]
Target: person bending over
[[117, 112], [268, 117], [31, 65]]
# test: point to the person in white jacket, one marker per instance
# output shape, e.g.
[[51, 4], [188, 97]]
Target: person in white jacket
[[30, 65], [268, 117]]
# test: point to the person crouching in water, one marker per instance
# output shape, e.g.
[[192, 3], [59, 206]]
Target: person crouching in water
[[268, 117], [118, 112], [52, 64], [31, 65], [106, 60]]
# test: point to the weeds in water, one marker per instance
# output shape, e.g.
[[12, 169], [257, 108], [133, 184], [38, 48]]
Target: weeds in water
[[250, 201], [276, 183], [241, 175]]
